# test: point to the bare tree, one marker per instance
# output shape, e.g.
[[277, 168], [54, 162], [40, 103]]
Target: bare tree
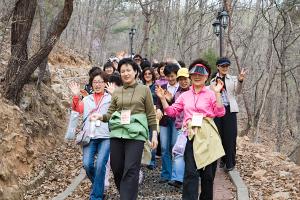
[[44, 70], [20, 67]]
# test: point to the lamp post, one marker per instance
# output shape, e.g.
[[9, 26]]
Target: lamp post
[[131, 34], [220, 25]]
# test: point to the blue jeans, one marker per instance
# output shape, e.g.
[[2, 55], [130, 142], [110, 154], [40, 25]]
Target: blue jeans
[[153, 151], [168, 136], [95, 169], [178, 166]]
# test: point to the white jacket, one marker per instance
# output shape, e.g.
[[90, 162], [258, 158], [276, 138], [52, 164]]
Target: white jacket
[[233, 88]]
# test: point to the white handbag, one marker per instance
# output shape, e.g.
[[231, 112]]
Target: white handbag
[[73, 121]]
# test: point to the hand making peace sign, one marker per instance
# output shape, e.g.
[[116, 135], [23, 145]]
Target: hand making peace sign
[[242, 75]]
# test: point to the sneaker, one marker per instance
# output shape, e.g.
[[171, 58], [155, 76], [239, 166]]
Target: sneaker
[[163, 180], [176, 184]]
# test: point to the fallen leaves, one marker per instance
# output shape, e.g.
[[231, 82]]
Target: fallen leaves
[[269, 175]]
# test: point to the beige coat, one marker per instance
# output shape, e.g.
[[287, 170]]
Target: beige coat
[[207, 145], [233, 88]]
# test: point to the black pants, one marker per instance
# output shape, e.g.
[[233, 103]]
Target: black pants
[[191, 177], [125, 161], [227, 126]]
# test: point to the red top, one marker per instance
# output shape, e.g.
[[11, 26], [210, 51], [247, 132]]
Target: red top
[[78, 105]]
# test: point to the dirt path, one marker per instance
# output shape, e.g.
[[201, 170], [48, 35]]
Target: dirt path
[[66, 166]]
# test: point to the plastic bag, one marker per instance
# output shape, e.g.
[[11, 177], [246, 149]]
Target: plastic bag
[[180, 144], [73, 120]]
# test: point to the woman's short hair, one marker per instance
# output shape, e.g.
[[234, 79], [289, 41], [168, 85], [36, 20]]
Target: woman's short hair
[[151, 71], [161, 64], [116, 79], [93, 69], [137, 56], [155, 65], [129, 61], [98, 72], [203, 62], [107, 65]]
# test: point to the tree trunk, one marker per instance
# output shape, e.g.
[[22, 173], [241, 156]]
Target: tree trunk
[[17, 75], [267, 86], [146, 30], [92, 52], [44, 71], [21, 24], [241, 63], [165, 41], [7, 10]]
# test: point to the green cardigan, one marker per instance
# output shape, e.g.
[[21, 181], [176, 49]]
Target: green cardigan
[[136, 130]]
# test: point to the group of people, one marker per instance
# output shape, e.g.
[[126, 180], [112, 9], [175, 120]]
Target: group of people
[[132, 103]]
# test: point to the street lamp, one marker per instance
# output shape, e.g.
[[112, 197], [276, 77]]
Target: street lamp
[[131, 34], [220, 24]]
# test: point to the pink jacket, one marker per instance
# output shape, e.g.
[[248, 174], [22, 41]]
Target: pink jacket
[[189, 102]]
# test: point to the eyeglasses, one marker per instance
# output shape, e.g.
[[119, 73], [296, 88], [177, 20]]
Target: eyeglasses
[[98, 82], [137, 59]]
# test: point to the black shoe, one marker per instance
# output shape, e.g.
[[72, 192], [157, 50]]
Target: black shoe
[[163, 180], [176, 184], [150, 167]]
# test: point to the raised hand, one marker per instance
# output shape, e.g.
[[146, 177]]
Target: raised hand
[[75, 88], [217, 88], [242, 75], [168, 96], [160, 92], [110, 88]]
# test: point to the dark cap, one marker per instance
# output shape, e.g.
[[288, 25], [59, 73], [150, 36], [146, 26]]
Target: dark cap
[[223, 61]]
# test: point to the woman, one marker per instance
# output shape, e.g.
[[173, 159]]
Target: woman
[[95, 154], [199, 104], [155, 67], [148, 78], [162, 78], [109, 68], [88, 89], [129, 115], [178, 160], [227, 124]]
